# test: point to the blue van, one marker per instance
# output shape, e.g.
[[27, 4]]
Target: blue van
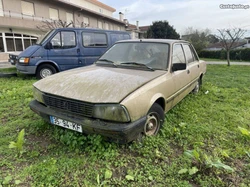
[[66, 48]]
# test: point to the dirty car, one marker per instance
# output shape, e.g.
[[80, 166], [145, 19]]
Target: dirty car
[[126, 93]]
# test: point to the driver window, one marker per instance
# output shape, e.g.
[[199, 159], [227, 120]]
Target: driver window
[[56, 41]]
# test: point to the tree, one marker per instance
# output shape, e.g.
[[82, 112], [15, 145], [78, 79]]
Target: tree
[[199, 38], [49, 25], [162, 29], [228, 38]]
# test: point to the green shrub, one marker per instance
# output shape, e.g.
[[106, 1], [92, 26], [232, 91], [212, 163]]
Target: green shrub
[[237, 54]]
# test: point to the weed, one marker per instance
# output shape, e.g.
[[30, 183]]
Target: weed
[[18, 145]]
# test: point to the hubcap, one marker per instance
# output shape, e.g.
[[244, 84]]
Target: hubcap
[[151, 125], [46, 73]]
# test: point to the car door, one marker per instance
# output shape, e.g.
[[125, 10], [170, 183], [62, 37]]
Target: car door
[[181, 78], [64, 50], [192, 62]]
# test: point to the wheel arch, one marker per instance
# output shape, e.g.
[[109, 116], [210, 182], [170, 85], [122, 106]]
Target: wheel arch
[[47, 62], [159, 99]]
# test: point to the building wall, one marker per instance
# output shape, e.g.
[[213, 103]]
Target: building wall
[[92, 7], [13, 22]]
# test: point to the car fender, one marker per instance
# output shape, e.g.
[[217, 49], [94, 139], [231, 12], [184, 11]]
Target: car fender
[[155, 98], [48, 62]]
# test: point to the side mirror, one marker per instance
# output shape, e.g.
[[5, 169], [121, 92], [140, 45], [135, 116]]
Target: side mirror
[[179, 66], [48, 45]]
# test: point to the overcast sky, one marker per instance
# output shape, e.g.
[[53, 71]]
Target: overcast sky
[[200, 14]]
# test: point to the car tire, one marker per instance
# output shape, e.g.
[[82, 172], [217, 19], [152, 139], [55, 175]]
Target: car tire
[[45, 70], [154, 121], [197, 87]]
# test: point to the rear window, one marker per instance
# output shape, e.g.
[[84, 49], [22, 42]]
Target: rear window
[[94, 39]]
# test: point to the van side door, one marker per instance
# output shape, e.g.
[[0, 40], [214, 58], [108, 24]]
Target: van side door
[[94, 44], [64, 50]]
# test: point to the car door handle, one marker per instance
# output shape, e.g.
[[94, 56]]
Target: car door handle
[[188, 71], [198, 66]]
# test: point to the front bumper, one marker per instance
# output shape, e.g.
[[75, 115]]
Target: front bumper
[[112, 131], [26, 69]]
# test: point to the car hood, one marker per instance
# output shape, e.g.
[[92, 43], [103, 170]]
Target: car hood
[[96, 84], [29, 51]]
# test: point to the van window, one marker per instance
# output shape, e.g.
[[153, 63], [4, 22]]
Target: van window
[[94, 39], [116, 37], [64, 40]]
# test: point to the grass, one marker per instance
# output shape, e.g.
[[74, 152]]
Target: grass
[[207, 123]]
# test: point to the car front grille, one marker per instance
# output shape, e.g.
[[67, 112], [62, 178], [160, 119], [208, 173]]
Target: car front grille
[[77, 107]]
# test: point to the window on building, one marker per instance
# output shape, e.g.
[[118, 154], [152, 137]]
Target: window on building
[[1, 8], [111, 27], [118, 28], [94, 39], [69, 17], [106, 26], [26, 43], [1, 44], [100, 26], [18, 43], [53, 14], [86, 21], [27, 8], [10, 44]]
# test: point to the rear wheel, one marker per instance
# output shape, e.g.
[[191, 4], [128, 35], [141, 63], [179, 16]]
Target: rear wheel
[[155, 119], [197, 86], [45, 70]]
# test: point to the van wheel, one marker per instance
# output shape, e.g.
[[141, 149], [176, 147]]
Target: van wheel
[[155, 119], [45, 70]]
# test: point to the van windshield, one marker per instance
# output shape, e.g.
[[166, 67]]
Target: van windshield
[[45, 37]]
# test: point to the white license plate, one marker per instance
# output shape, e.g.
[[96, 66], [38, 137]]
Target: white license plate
[[66, 124]]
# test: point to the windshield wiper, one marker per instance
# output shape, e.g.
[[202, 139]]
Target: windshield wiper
[[138, 64], [108, 61]]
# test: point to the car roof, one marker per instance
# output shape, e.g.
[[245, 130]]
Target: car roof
[[168, 41]]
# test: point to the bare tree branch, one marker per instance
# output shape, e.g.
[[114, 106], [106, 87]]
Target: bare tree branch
[[53, 24], [228, 38]]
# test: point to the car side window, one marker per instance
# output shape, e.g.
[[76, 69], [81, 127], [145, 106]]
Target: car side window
[[178, 54], [94, 39], [188, 53], [64, 40], [194, 53]]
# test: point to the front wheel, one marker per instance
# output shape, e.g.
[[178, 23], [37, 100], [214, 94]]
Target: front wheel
[[155, 119], [45, 70]]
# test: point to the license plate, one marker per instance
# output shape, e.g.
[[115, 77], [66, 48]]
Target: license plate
[[66, 124]]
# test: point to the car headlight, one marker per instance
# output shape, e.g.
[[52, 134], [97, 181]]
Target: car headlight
[[38, 95], [111, 112], [24, 60]]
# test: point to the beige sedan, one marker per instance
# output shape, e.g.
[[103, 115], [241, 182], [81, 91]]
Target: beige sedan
[[126, 93]]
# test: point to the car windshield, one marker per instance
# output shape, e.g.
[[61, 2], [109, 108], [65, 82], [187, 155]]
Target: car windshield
[[149, 55], [45, 37]]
